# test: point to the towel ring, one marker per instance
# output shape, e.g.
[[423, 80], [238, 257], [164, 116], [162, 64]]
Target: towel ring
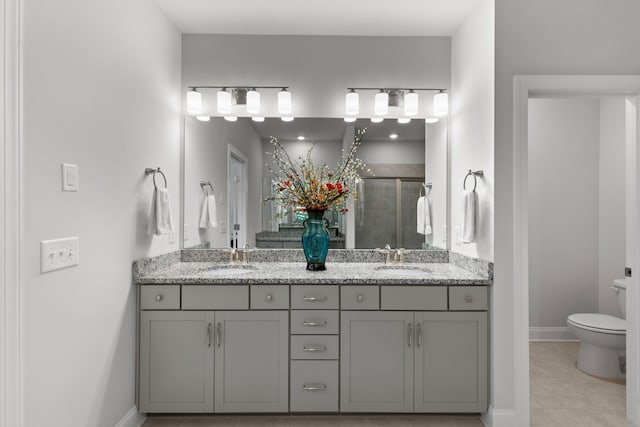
[[149, 171], [204, 186], [475, 175], [424, 187]]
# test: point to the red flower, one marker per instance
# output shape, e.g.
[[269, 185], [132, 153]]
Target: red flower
[[330, 186], [339, 187], [287, 183]]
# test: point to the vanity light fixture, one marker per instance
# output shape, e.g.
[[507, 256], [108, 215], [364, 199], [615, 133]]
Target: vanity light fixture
[[410, 103], [352, 103], [284, 102], [441, 104], [253, 101], [258, 119], [224, 101], [350, 119], [377, 119], [194, 102], [431, 120], [203, 118], [381, 103], [404, 120], [395, 102], [286, 118], [231, 118]]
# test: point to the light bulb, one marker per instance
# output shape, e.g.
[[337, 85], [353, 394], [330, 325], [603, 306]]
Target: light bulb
[[203, 118], [253, 101], [381, 104], [376, 119], [284, 102], [441, 104], [410, 103], [194, 102], [286, 118], [231, 118], [350, 119], [257, 119], [352, 103], [224, 102], [404, 120]]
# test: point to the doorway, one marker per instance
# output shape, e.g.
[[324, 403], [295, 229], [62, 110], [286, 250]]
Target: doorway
[[237, 192], [532, 86]]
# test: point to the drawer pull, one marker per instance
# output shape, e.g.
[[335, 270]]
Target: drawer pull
[[410, 335], [269, 298], [468, 298], [418, 334], [218, 334], [159, 297], [314, 299], [209, 335], [314, 348], [360, 298], [314, 323], [314, 387]]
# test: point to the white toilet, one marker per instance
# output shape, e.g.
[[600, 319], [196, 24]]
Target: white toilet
[[602, 338]]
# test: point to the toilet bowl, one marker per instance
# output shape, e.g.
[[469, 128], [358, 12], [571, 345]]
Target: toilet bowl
[[602, 339]]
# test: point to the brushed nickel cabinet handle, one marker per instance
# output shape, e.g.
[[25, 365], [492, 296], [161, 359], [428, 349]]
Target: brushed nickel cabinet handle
[[418, 334], [218, 339], [410, 335], [314, 387], [314, 348], [468, 298], [314, 299], [209, 335], [314, 323], [159, 297]]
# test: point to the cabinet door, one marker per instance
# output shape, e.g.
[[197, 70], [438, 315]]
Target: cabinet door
[[176, 361], [252, 355], [376, 362], [451, 362]]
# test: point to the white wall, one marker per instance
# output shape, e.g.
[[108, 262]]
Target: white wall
[[471, 125], [564, 139], [101, 90], [534, 38], [612, 226], [206, 155], [317, 68]]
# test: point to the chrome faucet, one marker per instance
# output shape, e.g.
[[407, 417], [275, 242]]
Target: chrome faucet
[[240, 256], [393, 256]]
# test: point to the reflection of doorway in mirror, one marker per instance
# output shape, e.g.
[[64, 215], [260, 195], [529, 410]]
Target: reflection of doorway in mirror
[[237, 197]]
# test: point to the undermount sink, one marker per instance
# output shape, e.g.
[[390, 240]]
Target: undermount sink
[[228, 270], [403, 270]]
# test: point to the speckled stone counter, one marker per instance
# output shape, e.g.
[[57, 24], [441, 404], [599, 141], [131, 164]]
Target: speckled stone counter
[[344, 267]]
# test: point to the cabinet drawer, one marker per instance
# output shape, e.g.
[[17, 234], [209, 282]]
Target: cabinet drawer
[[314, 386], [314, 297], [414, 298], [160, 297], [214, 297], [311, 322], [270, 297], [360, 298], [468, 298], [314, 347]]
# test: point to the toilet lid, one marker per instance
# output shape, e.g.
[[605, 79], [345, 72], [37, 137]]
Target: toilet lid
[[599, 323]]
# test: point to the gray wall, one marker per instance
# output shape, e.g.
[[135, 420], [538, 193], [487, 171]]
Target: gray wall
[[101, 89]]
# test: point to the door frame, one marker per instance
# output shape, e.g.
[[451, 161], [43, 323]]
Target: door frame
[[233, 152], [526, 86], [11, 214]]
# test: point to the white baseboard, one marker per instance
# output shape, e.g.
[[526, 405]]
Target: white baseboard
[[551, 334], [132, 419], [499, 418]]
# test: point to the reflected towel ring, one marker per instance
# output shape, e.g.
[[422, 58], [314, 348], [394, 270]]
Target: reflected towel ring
[[475, 175], [204, 185], [149, 171], [425, 187]]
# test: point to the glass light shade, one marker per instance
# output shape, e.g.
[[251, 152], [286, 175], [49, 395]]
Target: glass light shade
[[441, 104], [376, 119], [203, 118], [253, 101], [284, 102], [194, 102], [224, 102], [231, 118], [431, 120], [404, 120], [286, 118], [410, 103], [350, 119], [257, 119], [352, 103], [381, 103]]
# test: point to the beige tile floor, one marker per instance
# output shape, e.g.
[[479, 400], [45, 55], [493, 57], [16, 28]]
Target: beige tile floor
[[562, 396]]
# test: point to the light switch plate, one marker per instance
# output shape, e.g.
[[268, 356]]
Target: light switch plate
[[223, 227], [59, 253], [69, 177]]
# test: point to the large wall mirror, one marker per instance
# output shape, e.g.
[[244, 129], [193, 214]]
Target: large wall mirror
[[227, 178]]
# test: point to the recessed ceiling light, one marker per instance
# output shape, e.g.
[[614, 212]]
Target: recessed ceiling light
[[431, 120], [287, 118], [376, 119], [393, 136], [404, 120], [349, 119], [257, 118], [301, 138]]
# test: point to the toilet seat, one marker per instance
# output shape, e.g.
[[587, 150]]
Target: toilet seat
[[595, 322]]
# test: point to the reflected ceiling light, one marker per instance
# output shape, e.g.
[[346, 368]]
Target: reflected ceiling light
[[203, 118], [352, 103], [224, 101], [381, 103], [441, 104], [194, 102], [350, 119], [410, 103], [257, 119], [253, 101], [404, 120], [431, 120], [231, 118], [393, 136], [376, 119], [300, 137], [284, 102], [286, 118]]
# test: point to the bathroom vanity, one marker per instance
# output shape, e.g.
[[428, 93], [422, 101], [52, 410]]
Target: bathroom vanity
[[269, 336]]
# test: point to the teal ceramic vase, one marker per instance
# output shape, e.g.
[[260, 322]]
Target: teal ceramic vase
[[315, 241]]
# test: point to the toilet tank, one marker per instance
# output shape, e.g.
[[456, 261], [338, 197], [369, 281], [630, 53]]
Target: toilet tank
[[620, 287]]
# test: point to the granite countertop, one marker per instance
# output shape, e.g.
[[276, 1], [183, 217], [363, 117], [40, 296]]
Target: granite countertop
[[292, 273]]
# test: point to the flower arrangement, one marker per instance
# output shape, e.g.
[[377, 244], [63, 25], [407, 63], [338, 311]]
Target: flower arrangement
[[301, 184]]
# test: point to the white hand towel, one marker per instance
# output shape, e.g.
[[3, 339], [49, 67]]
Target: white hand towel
[[423, 215], [469, 216], [208, 214], [164, 220]]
